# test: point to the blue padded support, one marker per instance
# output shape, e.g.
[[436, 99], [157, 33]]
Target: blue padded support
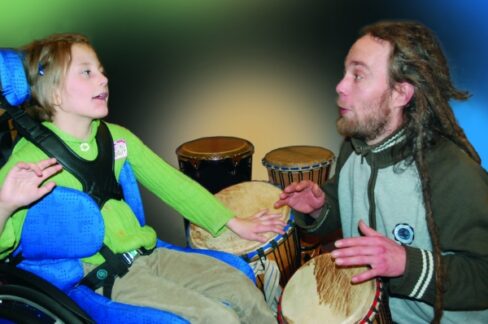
[[67, 223], [131, 193], [62, 273], [53, 242], [103, 310], [13, 80]]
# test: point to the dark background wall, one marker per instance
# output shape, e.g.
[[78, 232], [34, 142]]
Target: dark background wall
[[262, 70]]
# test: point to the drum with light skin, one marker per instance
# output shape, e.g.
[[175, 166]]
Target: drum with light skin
[[216, 162], [289, 164], [321, 292], [246, 199]]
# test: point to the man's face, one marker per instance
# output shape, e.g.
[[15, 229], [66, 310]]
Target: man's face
[[364, 95]]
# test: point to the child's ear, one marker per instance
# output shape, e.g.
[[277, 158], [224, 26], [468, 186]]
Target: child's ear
[[56, 98]]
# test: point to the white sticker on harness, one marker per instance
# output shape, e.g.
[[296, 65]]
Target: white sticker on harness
[[120, 149]]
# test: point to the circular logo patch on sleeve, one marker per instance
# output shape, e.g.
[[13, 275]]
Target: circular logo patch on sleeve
[[404, 233]]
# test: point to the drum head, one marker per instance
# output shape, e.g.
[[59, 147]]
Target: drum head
[[320, 291], [298, 156], [244, 199], [215, 148]]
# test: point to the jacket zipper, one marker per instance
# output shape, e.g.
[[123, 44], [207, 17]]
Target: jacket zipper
[[371, 186]]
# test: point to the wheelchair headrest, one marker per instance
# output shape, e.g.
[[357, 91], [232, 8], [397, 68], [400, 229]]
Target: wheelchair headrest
[[13, 80]]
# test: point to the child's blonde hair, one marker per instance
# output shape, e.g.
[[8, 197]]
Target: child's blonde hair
[[46, 61]]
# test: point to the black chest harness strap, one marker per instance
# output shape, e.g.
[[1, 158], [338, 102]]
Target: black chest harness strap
[[97, 176], [98, 180]]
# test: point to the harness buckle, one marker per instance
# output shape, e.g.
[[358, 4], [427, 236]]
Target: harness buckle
[[130, 257]]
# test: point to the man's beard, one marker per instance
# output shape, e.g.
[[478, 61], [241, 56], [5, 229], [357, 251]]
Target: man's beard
[[372, 126]]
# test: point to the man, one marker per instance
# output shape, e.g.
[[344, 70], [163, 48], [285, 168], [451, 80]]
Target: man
[[408, 192]]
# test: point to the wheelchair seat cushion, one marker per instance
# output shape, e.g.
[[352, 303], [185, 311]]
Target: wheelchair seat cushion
[[66, 223]]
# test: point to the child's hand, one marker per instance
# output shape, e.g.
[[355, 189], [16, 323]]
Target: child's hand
[[254, 227], [22, 184]]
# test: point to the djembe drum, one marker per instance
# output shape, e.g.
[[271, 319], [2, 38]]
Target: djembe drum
[[246, 199], [295, 163], [216, 162], [290, 164], [321, 292]]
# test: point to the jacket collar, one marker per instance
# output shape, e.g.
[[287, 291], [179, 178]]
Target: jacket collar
[[388, 152]]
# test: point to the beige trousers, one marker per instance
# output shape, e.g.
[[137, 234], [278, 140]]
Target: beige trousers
[[196, 287]]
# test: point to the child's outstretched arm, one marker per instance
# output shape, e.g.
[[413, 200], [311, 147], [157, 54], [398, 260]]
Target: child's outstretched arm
[[22, 186]]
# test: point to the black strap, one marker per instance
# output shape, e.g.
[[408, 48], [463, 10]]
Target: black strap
[[115, 265], [6, 142], [144, 251], [97, 176], [12, 259], [104, 275]]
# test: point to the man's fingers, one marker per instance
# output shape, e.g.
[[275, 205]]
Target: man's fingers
[[356, 241], [366, 230], [364, 276], [291, 188], [279, 203], [304, 184], [317, 192], [357, 251]]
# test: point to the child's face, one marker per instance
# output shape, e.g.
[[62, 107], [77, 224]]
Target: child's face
[[83, 94]]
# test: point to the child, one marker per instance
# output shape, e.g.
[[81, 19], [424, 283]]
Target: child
[[70, 95]]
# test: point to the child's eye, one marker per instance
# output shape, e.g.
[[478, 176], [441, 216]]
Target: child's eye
[[358, 77], [86, 72]]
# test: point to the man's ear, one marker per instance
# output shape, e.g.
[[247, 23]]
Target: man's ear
[[402, 94]]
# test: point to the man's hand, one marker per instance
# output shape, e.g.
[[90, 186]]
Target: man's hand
[[304, 196], [385, 257]]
